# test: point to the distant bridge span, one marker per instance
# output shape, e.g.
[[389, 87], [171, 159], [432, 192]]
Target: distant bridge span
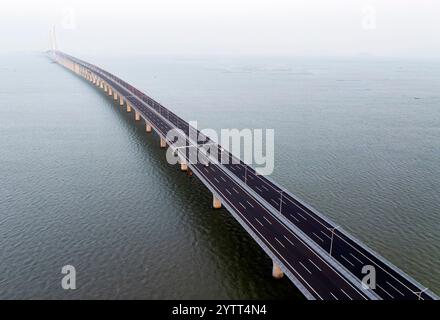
[[319, 257]]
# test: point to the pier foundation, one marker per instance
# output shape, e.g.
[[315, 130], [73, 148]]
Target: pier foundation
[[183, 165], [216, 202], [163, 142], [277, 273], [115, 96], [121, 101], [148, 128], [137, 116]]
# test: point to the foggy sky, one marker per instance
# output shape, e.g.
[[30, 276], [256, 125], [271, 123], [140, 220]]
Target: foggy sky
[[390, 28]]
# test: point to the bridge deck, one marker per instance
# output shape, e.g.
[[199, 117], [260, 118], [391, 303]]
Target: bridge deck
[[297, 237]]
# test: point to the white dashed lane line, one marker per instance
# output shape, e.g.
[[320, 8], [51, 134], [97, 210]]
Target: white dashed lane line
[[315, 265], [400, 292], [259, 222], [301, 215], [241, 204], [249, 203], [347, 260], [346, 294], [385, 291], [289, 241], [276, 239], [360, 261], [322, 240], [325, 234], [294, 217], [305, 268], [334, 296], [267, 220]]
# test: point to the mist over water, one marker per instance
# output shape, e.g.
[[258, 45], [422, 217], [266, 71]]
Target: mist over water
[[83, 184]]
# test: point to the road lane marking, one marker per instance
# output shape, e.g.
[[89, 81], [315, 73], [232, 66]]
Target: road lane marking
[[347, 260], [235, 190], [264, 187], [216, 180], [395, 288], [279, 242], [222, 178], [301, 215], [325, 234], [385, 291], [276, 203], [249, 203], [258, 189], [259, 222], [346, 294], [334, 296], [267, 220], [318, 236], [289, 240], [228, 191], [294, 217], [315, 265], [242, 205], [305, 267], [355, 257]]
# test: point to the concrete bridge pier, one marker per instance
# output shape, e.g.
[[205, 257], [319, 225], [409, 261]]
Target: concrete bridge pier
[[163, 142], [137, 116], [183, 165], [115, 96], [101, 85], [128, 108], [121, 101], [105, 87], [216, 202], [110, 91], [277, 273], [148, 127]]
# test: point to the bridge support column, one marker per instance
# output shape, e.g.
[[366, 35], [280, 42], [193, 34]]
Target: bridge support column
[[115, 96], [137, 116], [183, 165], [163, 142], [121, 101], [216, 202], [97, 82], [277, 273], [101, 84], [105, 88], [148, 128], [110, 91], [128, 108]]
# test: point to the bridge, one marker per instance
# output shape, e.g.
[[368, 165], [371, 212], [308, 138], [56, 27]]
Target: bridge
[[322, 260]]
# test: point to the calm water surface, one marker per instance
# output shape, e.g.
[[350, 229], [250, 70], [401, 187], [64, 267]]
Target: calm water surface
[[82, 184]]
